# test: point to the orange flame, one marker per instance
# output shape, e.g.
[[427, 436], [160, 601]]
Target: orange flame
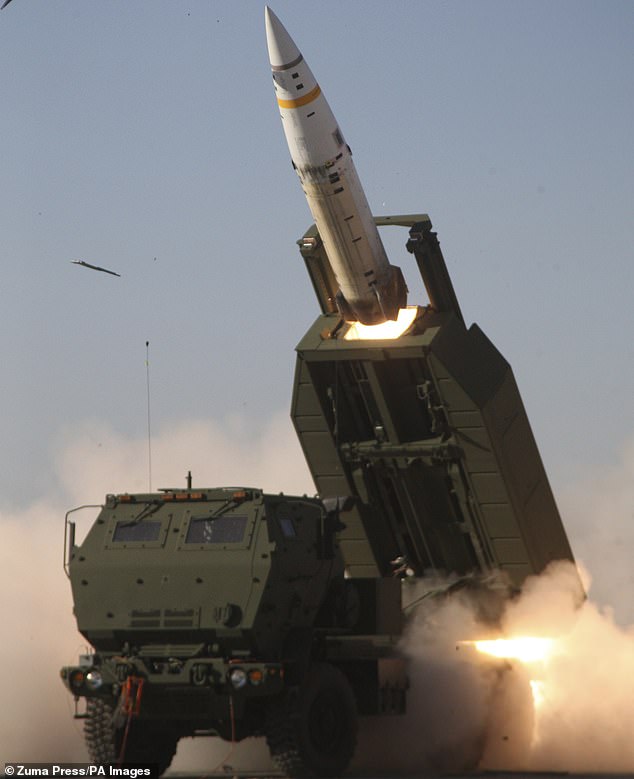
[[386, 331], [524, 649]]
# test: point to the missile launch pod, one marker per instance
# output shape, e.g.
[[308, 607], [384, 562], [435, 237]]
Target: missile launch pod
[[427, 431]]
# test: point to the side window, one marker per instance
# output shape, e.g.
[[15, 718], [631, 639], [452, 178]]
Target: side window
[[288, 527], [137, 531], [226, 529], [288, 518]]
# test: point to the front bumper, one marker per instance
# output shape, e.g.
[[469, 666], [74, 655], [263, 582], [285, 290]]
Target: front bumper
[[97, 677]]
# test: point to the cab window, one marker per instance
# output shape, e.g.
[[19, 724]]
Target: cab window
[[227, 529]]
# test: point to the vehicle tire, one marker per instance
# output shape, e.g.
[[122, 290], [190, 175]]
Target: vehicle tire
[[99, 732], [312, 730], [144, 744]]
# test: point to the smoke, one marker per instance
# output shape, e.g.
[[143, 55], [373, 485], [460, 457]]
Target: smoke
[[598, 511], [468, 710], [38, 637], [96, 460], [583, 722], [447, 701], [585, 715]]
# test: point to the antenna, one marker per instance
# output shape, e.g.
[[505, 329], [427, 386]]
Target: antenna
[[149, 426]]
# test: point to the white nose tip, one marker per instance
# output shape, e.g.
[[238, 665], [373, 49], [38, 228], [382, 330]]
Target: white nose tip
[[282, 48]]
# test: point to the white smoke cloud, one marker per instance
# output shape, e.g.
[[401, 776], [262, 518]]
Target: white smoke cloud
[[38, 637], [584, 720], [463, 704], [598, 513], [96, 460], [447, 700]]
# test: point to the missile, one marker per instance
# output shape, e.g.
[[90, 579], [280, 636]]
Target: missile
[[94, 267], [371, 290]]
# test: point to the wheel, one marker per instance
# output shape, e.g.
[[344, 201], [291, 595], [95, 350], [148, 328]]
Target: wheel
[[99, 732], [312, 730], [144, 743]]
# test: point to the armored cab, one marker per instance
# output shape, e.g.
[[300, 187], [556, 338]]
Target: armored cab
[[427, 430], [223, 568]]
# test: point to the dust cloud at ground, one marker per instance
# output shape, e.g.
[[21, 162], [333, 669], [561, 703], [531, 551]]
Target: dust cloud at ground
[[213, 754], [446, 703], [38, 637], [586, 711], [583, 722], [460, 700]]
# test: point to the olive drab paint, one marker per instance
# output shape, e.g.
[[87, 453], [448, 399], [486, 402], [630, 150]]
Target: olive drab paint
[[429, 433]]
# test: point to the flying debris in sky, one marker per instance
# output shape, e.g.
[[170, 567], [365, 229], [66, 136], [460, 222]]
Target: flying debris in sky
[[5, 4], [87, 264]]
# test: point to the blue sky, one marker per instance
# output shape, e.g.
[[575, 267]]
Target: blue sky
[[143, 136]]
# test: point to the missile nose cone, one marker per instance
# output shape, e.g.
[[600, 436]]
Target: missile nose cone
[[282, 48]]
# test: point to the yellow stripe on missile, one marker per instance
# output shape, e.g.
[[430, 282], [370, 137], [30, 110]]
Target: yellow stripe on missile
[[300, 101]]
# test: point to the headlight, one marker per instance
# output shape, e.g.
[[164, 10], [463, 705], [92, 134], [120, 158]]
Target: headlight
[[93, 680], [238, 678]]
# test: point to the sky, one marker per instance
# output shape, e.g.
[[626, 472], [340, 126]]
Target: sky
[[144, 137]]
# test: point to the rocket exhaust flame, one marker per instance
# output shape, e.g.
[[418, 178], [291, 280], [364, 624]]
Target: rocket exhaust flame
[[525, 649], [389, 330], [530, 651], [537, 689]]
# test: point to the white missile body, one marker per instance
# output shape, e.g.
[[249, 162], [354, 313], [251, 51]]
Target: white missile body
[[370, 289]]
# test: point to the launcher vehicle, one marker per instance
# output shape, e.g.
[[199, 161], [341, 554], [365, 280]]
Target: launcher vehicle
[[236, 613]]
